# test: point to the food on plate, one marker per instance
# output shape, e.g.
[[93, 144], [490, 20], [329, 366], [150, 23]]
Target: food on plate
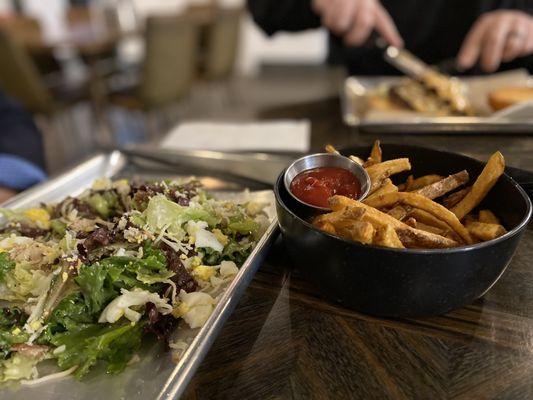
[[509, 96], [408, 215], [84, 281], [435, 94], [315, 186]]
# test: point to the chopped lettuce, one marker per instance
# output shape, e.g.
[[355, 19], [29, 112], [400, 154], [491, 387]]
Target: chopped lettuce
[[233, 251], [242, 225], [71, 314], [111, 343], [103, 280], [162, 213], [11, 322], [22, 282], [6, 265], [18, 367]]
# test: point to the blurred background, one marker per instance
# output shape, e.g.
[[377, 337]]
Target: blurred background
[[96, 73]]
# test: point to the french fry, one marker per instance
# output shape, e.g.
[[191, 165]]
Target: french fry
[[485, 231], [413, 237], [375, 155], [411, 222], [454, 198], [399, 212], [418, 201], [429, 228], [356, 159], [440, 188], [386, 236], [386, 187], [359, 231], [331, 149], [488, 217], [485, 181], [379, 172], [334, 218], [429, 219], [325, 226], [418, 183]]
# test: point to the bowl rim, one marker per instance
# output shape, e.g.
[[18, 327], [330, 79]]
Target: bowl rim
[[471, 247]]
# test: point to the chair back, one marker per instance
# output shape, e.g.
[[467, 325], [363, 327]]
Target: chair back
[[170, 60], [222, 44], [20, 78]]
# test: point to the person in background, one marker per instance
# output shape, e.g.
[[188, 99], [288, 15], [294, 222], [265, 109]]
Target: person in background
[[483, 35], [21, 149]]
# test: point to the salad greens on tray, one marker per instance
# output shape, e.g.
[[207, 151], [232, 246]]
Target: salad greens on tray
[[84, 281]]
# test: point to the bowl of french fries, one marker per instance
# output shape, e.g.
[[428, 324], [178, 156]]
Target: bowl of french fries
[[434, 233]]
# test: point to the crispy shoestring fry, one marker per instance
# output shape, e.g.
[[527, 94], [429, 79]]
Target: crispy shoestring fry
[[386, 187], [454, 198], [485, 181], [386, 236], [488, 217], [418, 183], [379, 172], [416, 238], [446, 185], [419, 201]]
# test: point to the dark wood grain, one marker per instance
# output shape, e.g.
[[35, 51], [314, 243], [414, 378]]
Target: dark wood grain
[[284, 341]]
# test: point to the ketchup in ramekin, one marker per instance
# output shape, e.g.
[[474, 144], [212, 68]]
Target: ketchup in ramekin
[[315, 186]]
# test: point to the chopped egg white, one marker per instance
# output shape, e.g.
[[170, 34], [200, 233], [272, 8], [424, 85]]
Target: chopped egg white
[[201, 237], [197, 307], [120, 306]]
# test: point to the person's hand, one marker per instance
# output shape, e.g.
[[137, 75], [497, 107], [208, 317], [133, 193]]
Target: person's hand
[[354, 20], [6, 194], [495, 37]]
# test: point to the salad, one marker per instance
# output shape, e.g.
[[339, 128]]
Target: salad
[[85, 281]]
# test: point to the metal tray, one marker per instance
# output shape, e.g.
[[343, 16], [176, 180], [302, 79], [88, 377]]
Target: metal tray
[[354, 110], [157, 375]]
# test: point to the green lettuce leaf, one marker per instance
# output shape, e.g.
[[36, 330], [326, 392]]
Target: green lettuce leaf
[[233, 251], [162, 212], [102, 281], [71, 314], [96, 291], [112, 344], [10, 320], [6, 265]]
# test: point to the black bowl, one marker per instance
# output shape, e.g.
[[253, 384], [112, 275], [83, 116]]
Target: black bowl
[[405, 282]]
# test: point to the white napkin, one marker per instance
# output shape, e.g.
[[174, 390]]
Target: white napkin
[[281, 135]]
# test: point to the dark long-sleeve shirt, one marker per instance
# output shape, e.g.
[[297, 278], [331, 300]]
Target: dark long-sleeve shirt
[[432, 29], [21, 148]]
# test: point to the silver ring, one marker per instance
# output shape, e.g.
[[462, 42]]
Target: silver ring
[[519, 34]]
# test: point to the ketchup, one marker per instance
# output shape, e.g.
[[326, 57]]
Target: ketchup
[[315, 186]]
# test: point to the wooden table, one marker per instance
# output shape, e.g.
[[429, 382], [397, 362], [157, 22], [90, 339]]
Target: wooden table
[[285, 341]]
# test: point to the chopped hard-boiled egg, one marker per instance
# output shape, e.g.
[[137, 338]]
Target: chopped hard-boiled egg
[[203, 272], [199, 307], [228, 268], [201, 237], [120, 306], [40, 216]]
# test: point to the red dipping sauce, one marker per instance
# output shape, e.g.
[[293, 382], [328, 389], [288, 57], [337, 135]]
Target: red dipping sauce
[[315, 186]]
